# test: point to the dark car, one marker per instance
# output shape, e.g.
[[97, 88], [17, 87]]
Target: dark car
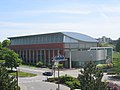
[[48, 73]]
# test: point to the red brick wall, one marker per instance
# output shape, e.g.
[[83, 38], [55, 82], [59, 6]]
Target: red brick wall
[[38, 46]]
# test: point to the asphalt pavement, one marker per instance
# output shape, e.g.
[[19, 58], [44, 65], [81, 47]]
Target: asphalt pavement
[[38, 82]]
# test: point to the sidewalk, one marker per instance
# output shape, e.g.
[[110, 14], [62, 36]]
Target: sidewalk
[[23, 87]]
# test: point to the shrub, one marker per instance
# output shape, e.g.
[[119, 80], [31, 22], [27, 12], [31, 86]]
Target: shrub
[[70, 82], [63, 79], [60, 66], [73, 84], [52, 79], [104, 66], [39, 64]]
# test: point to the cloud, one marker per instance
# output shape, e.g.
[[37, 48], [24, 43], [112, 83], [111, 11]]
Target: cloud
[[109, 13], [64, 11], [93, 29], [111, 9], [33, 13], [14, 24]]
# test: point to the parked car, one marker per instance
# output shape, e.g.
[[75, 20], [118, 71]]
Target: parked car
[[48, 73]]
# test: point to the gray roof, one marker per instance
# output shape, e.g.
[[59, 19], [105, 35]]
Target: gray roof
[[79, 36]]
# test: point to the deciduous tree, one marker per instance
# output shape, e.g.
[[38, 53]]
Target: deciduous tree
[[11, 58], [5, 43]]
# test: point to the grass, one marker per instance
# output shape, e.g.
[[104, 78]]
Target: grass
[[116, 55], [23, 74], [29, 65], [2, 61]]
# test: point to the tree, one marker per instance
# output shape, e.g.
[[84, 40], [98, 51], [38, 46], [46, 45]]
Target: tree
[[116, 63], [11, 58], [7, 82], [118, 45], [5, 43], [0, 45], [90, 78]]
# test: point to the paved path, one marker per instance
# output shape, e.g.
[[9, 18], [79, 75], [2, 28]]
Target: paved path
[[107, 78], [37, 82]]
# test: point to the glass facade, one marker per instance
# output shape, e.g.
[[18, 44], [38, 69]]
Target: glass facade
[[77, 44], [37, 39]]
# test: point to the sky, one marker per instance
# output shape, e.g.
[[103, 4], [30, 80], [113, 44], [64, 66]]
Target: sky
[[95, 18]]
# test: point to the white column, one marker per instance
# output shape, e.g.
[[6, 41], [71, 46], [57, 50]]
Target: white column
[[41, 56], [20, 53], [58, 52], [33, 53], [53, 53], [70, 59], [23, 55], [44, 56], [36, 55], [49, 56], [26, 56], [29, 56]]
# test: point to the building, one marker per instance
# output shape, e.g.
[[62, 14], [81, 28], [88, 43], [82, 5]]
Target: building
[[104, 40], [44, 47]]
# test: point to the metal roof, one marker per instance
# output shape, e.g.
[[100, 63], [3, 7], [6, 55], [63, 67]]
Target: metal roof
[[79, 36]]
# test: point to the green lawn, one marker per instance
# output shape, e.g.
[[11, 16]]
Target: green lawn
[[32, 66], [116, 55], [23, 74], [2, 61]]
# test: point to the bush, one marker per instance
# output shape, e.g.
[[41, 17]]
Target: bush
[[71, 82], [63, 79], [60, 66], [104, 66], [39, 64], [52, 79]]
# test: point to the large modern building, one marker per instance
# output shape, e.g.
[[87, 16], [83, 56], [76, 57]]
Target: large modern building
[[44, 47]]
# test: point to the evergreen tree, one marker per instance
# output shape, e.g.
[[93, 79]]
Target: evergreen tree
[[90, 78], [0, 45], [118, 45], [7, 82]]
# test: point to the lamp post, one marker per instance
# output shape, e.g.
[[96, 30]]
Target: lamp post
[[58, 80], [56, 60]]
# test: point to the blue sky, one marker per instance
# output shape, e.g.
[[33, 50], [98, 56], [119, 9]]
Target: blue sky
[[95, 18]]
